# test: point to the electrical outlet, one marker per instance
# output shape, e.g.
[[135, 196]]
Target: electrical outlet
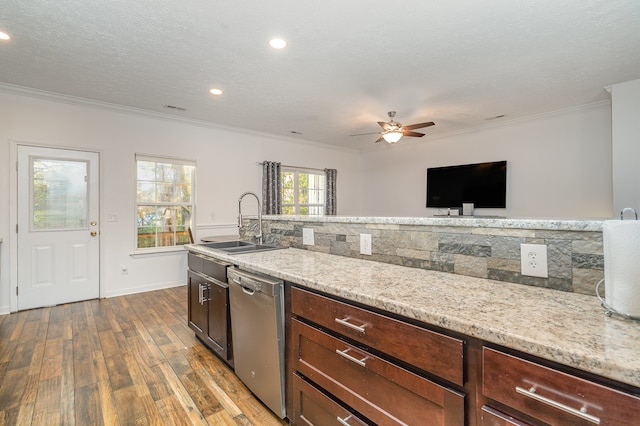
[[533, 260], [124, 270], [307, 236], [365, 244]]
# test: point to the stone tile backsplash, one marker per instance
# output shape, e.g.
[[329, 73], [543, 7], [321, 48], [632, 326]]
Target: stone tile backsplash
[[575, 258]]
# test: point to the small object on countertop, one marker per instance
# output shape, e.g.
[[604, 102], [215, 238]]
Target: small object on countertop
[[621, 245]]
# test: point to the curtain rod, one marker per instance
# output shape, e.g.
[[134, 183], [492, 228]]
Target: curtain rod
[[296, 167]]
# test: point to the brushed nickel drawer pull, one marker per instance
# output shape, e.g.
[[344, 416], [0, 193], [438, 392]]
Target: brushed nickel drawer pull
[[346, 323], [345, 421], [582, 412], [361, 362], [200, 294]]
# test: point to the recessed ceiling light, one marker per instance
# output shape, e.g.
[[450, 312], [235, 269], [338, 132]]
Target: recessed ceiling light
[[277, 43], [215, 91], [4, 36]]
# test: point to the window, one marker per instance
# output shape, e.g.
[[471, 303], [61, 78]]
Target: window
[[165, 196], [303, 192]]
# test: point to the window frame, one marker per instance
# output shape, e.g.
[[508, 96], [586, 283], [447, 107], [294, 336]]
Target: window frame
[[137, 203], [296, 189]]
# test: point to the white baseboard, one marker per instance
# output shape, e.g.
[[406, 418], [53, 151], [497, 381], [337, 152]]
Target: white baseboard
[[144, 289]]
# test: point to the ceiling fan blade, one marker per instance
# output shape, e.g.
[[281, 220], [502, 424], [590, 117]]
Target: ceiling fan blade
[[384, 125], [362, 134], [415, 134], [380, 139], [419, 125]]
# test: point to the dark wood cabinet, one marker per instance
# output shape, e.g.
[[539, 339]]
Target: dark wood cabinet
[[313, 407], [546, 395], [208, 307], [360, 358]]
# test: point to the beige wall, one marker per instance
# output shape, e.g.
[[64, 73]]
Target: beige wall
[[559, 166]]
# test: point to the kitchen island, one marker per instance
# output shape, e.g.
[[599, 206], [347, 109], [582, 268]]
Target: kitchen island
[[567, 328], [494, 320]]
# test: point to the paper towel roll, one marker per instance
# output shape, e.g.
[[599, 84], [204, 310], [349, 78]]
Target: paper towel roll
[[621, 243]]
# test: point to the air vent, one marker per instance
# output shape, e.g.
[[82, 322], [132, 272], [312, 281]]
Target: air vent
[[176, 108]]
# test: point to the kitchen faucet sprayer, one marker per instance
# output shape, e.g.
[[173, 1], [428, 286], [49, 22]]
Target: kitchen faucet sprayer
[[259, 234]]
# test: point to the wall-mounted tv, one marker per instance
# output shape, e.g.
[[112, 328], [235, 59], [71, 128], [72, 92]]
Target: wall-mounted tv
[[483, 184]]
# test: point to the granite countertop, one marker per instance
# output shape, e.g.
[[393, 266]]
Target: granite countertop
[[568, 328]]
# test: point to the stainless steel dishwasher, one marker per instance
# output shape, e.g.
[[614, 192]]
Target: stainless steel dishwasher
[[257, 325]]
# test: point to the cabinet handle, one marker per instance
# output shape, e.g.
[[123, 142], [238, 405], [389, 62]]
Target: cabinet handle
[[346, 323], [361, 362], [582, 412], [344, 421], [201, 294]]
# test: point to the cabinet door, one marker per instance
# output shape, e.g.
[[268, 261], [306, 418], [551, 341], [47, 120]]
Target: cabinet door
[[218, 318], [197, 307]]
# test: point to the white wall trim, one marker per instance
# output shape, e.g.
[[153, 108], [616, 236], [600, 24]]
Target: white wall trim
[[145, 288]]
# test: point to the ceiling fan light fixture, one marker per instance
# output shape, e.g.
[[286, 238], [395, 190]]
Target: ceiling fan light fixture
[[392, 136]]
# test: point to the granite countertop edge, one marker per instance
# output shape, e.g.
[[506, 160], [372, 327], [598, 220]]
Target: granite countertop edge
[[586, 225], [567, 328]]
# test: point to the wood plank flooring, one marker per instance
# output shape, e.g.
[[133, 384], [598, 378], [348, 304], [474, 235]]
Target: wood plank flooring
[[128, 360]]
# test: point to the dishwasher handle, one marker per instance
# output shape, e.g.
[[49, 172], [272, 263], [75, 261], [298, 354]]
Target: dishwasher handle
[[248, 285]]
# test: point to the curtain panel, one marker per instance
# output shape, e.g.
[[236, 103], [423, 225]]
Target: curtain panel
[[271, 188], [330, 207]]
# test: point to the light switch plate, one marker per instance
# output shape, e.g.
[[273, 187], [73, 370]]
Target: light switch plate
[[533, 260], [365, 244], [307, 236]]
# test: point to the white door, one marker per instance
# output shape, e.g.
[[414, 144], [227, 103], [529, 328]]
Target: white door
[[58, 229]]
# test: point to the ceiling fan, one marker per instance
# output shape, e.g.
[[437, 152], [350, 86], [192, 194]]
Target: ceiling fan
[[393, 131]]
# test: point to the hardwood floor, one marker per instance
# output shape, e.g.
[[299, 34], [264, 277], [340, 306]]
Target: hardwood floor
[[128, 360]]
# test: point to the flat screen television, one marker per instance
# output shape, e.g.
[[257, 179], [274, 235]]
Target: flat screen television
[[483, 184]]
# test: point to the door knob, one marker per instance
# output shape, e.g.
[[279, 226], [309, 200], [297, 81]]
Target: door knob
[[94, 223], [94, 233]]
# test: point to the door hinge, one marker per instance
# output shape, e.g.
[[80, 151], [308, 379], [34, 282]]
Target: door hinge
[[16, 228], [16, 166], [17, 290]]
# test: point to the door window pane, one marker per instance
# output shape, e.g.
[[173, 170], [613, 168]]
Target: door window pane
[[59, 194]]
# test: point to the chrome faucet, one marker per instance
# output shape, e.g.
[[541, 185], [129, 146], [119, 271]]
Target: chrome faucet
[[259, 234]]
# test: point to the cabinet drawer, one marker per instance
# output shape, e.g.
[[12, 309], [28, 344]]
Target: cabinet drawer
[[492, 417], [208, 266], [312, 407], [195, 262], [216, 270], [383, 392], [552, 396], [433, 352]]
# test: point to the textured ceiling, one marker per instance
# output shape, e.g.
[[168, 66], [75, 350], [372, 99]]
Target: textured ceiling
[[348, 62]]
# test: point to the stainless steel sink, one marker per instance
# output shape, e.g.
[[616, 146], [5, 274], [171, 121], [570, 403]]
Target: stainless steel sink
[[238, 247], [223, 245]]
